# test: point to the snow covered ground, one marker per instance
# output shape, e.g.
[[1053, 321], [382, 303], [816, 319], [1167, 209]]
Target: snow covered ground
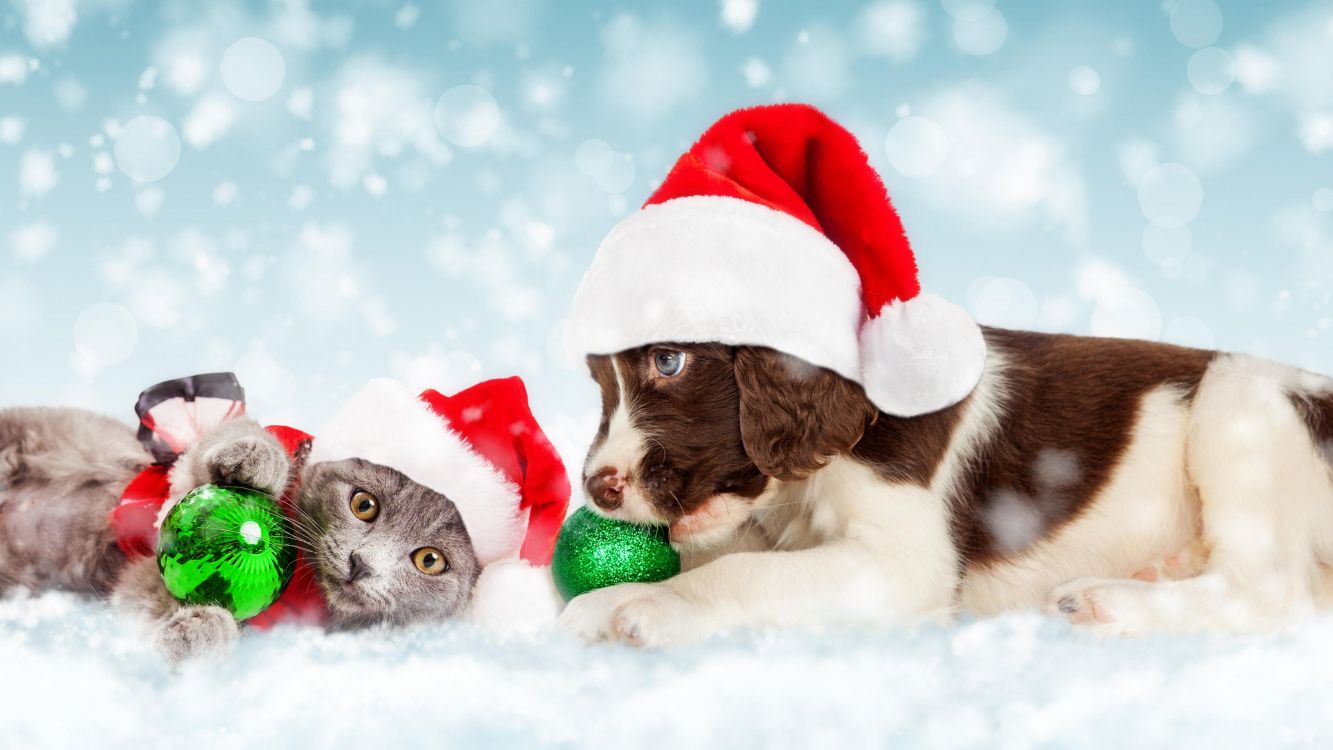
[[75, 674]]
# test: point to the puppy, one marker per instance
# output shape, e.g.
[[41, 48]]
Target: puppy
[[1082, 473], [830, 444]]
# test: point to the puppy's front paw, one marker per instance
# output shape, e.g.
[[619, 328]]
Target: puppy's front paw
[[253, 462], [640, 614], [193, 632]]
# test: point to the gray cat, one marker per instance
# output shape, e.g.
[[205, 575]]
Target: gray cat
[[63, 470]]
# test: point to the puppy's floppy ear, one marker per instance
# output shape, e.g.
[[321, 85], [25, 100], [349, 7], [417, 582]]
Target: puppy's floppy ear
[[796, 416]]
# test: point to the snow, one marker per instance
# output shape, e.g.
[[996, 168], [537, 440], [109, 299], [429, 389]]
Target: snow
[[104, 335], [37, 173], [1084, 80], [917, 146], [818, 65], [47, 23], [1212, 131], [982, 34], [1211, 70], [29, 243], [650, 66], [467, 115], [612, 170], [1170, 195], [1196, 23], [252, 69], [79, 673], [895, 29], [1002, 169], [11, 129], [757, 73], [147, 148], [739, 15], [1323, 199], [1003, 302], [382, 111], [1121, 308], [14, 69], [1167, 246]]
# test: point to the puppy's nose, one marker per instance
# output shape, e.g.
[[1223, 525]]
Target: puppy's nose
[[357, 568], [606, 488]]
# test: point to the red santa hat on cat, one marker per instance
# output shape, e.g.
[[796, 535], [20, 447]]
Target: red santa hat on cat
[[482, 449]]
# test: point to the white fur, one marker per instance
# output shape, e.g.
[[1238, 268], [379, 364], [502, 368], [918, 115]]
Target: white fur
[[921, 356], [388, 424], [848, 549], [622, 450]]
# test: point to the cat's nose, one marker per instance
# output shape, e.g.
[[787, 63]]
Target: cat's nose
[[606, 488], [357, 568]]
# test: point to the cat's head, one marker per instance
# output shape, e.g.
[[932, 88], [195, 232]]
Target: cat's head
[[384, 549]]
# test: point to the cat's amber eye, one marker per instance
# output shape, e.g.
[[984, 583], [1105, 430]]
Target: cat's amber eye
[[365, 506], [430, 561]]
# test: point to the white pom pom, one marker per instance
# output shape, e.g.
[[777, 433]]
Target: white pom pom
[[513, 595], [921, 356]]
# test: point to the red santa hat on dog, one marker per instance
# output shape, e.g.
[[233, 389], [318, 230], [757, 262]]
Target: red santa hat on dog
[[774, 230], [483, 449]]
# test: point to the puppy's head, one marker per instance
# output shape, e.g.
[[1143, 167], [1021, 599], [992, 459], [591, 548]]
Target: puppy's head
[[692, 434]]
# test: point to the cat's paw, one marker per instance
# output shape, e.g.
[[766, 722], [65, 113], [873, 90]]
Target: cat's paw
[[193, 632], [639, 614], [252, 461]]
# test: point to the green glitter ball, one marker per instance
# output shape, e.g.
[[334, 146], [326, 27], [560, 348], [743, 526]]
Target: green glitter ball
[[226, 546], [593, 552]]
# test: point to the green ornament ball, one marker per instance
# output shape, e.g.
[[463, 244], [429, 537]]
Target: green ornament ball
[[593, 552], [227, 546]]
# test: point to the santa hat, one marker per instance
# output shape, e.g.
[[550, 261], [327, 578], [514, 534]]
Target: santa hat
[[482, 449], [774, 230]]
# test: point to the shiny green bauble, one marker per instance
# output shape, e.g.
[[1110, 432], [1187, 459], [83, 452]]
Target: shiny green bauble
[[593, 552], [227, 546]]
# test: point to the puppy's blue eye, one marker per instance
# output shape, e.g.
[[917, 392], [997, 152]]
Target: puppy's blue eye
[[669, 364]]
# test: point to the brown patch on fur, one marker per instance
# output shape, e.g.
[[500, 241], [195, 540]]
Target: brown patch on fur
[[795, 416], [1316, 410], [909, 449], [1070, 406]]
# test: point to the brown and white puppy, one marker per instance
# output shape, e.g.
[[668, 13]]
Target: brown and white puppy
[[1134, 487]]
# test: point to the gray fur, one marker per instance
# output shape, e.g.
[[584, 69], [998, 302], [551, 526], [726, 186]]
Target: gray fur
[[411, 516], [63, 470]]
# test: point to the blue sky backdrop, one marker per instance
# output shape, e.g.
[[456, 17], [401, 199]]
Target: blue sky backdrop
[[316, 193]]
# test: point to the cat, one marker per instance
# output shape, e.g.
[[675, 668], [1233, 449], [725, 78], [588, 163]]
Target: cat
[[63, 470]]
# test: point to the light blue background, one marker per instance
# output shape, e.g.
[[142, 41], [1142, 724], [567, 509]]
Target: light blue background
[[1038, 187]]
